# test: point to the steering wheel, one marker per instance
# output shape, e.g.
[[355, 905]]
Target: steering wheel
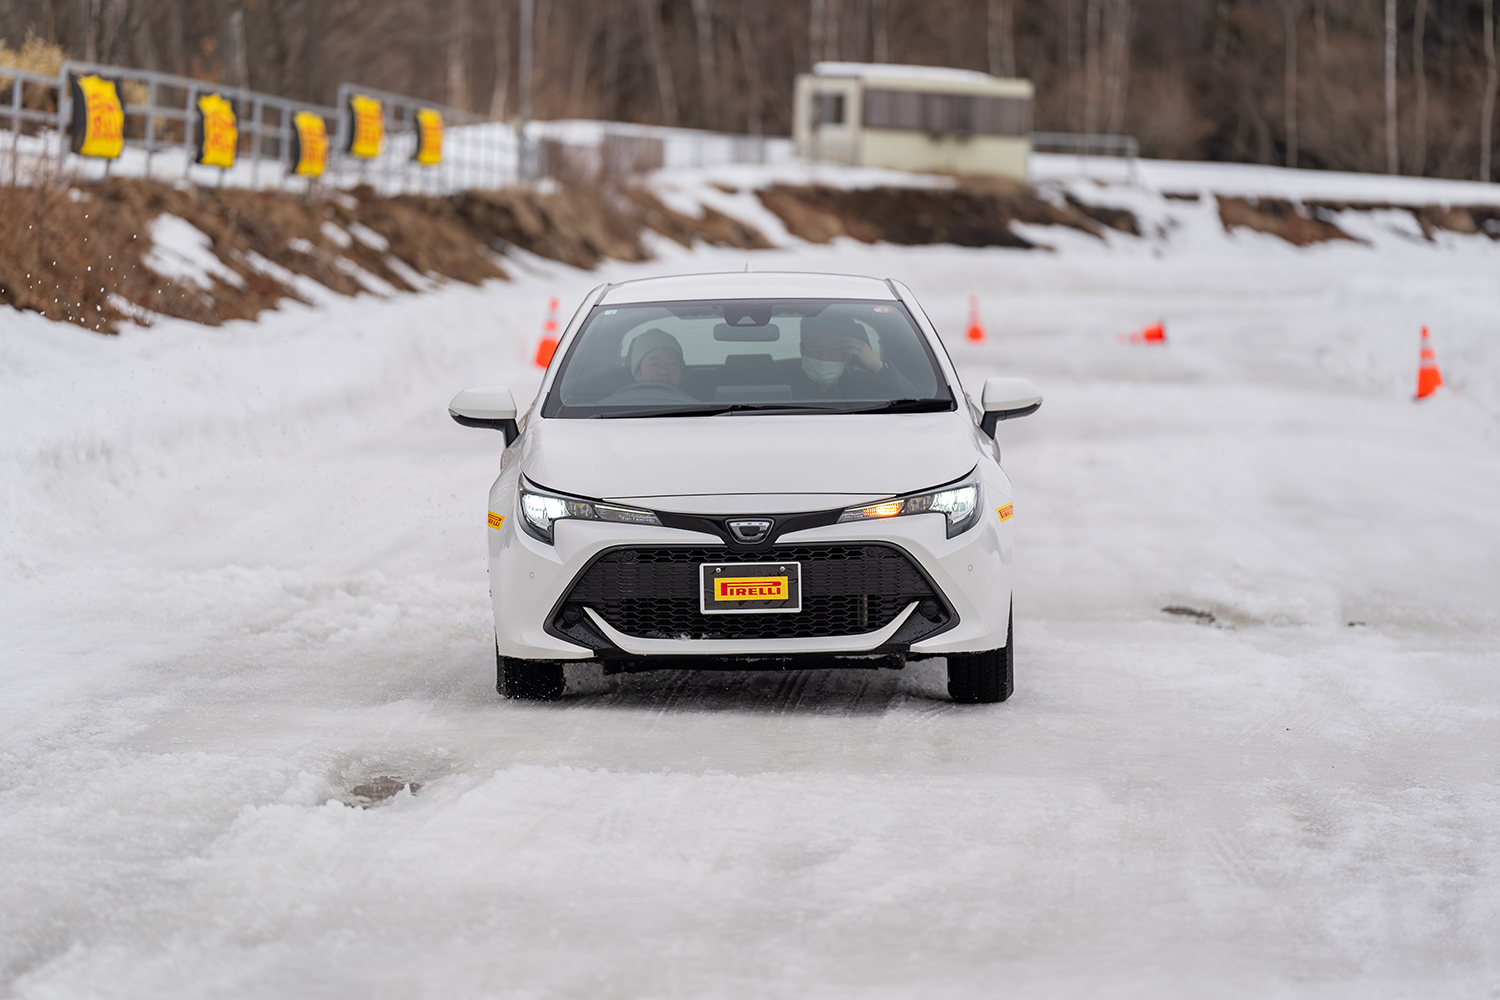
[[648, 392]]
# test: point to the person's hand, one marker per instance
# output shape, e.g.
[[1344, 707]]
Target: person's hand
[[862, 352]]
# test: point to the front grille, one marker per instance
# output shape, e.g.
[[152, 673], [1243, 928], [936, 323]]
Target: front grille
[[653, 593]]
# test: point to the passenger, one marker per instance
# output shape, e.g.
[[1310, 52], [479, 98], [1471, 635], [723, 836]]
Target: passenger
[[839, 363], [656, 356]]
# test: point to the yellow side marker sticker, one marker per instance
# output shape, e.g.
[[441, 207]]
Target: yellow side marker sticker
[[1006, 512], [496, 520]]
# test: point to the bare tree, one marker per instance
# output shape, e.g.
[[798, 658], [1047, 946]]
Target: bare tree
[[524, 70], [815, 31], [703, 19], [458, 56], [1289, 16], [143, 38], [1392, 157], [880, 31], [1073, 43], [614, 42], [312, 44], [651, 23], [85, 32], [1419, 70], [500, 86], [1487, 115], [1093, 25], [113, 38], [744, 39], [583, 42], [1221, 33], [1117, 62], [1000, 34]]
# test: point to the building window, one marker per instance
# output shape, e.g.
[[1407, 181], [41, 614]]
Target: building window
[[947, 114], [827, 109]]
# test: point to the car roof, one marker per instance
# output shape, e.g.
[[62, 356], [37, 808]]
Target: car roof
[[748, 285]]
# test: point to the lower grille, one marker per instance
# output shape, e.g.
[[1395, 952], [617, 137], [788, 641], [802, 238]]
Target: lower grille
[[653, 593]]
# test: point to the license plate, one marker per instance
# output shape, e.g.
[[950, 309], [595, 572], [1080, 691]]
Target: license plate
[[750, 588]]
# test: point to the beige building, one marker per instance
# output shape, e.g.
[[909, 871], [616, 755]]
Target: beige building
[[925, 118]]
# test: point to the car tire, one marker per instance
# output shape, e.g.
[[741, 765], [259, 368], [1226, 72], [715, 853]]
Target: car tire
[[984, 678], [530, 680]]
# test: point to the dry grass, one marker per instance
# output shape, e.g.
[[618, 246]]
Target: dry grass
[[34, 56]]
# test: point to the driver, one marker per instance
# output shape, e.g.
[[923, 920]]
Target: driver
[[656, 356], [655, 360], [839, 363]]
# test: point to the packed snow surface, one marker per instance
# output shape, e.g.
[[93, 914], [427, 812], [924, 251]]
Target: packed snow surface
[[242, 578]]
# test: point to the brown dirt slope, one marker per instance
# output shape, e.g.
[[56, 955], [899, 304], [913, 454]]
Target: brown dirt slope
[[1298, 225], [81, 254], [1306, 223], [976, 213]]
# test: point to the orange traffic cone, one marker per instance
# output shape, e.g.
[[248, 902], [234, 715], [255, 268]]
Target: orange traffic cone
[[975, 332], [1156, 333], [548, 345], [1429, 379]]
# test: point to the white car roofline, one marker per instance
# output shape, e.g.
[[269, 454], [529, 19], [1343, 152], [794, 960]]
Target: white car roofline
[[749, 284]]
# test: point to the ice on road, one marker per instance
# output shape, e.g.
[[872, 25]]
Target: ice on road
[[242, 575]]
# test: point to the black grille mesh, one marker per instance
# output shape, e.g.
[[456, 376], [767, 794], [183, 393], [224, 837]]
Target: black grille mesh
[[652, 593]]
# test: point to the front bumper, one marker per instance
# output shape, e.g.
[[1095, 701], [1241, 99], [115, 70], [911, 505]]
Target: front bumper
[[529, 579]]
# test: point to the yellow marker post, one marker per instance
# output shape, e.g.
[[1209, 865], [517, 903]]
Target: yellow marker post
[[429, 137], [309, 144], [98, 117], [367, 131], [218, 132]]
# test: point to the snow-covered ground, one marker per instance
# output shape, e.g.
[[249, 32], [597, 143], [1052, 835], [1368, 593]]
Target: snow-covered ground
[[241, 573]]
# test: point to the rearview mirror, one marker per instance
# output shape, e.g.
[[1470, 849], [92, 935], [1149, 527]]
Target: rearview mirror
[[1006, 399], [723, 331], [492, 407]]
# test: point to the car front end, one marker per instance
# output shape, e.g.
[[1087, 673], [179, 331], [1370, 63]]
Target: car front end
[[751, 472]]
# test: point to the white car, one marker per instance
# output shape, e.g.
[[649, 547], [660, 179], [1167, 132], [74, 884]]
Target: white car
[[751, 471]]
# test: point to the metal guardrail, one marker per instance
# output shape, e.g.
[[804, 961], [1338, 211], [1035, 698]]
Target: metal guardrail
[[164, 124], [160, 138], [20, 92], [1085, 144], [478, 152]]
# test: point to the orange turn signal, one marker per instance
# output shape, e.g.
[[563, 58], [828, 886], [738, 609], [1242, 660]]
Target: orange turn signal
[[888, 509]]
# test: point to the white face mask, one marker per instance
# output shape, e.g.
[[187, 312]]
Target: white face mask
[[822, 372]]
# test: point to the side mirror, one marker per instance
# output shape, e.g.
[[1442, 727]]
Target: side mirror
[[1006, 399], [493, 407]]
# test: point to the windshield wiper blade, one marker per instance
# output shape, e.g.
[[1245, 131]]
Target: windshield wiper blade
[[906, 405], [716, 409]]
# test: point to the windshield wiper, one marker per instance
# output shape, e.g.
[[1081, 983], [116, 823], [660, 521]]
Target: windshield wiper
[[907, 405], [716, 409]]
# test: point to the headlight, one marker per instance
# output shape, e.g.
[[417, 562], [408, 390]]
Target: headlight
[[540, 509], [959, 504]]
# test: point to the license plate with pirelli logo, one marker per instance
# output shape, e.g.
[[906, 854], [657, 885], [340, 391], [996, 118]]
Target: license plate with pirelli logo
[[750, 588]]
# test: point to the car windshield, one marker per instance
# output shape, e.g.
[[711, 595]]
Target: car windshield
[[747, 356]]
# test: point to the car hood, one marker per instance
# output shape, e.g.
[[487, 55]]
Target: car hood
[[848, 458]]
